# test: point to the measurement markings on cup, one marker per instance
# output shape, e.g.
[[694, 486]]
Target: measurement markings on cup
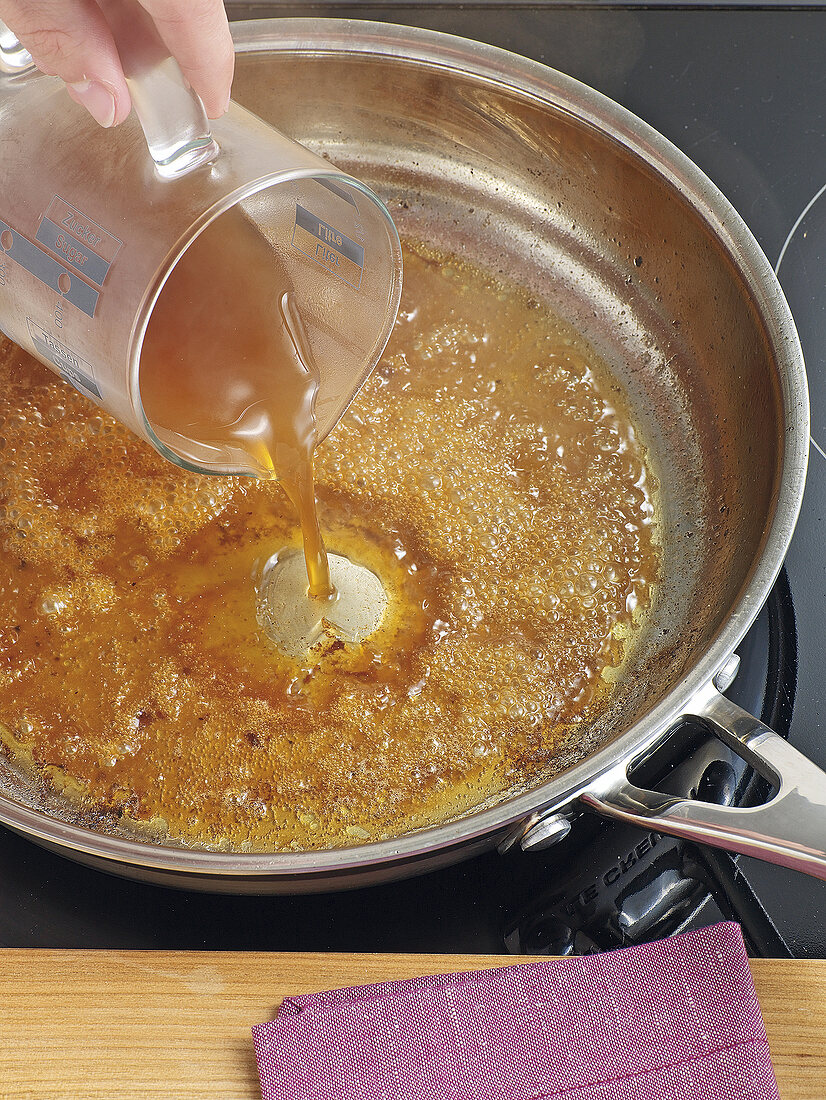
[[329, 247], [73, 368], [76, 239], [47, 270]]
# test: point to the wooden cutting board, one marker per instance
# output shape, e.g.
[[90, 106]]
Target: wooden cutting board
[[128, 1025]]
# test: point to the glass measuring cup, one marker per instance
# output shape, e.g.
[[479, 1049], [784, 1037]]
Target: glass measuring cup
[[91, 229]]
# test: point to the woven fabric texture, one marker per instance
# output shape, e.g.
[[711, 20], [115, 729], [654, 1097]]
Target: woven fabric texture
[[674, 1019]]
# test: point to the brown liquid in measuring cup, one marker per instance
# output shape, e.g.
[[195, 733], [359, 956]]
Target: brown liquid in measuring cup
[[226, 362]]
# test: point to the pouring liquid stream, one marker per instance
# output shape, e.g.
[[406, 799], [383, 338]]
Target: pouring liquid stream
[[286, 443], [226, 362]]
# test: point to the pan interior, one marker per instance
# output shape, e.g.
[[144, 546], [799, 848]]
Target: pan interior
[[533, 193]]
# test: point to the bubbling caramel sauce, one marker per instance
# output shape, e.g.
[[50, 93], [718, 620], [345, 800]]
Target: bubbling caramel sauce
[[488, 473]]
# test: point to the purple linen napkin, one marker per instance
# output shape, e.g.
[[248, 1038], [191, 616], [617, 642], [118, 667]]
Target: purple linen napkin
[[673, 1020]]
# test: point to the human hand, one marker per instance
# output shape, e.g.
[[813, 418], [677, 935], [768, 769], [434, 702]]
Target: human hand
[[71, 39]]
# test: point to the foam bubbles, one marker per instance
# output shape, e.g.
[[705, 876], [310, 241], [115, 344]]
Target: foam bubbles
[[486, 474]]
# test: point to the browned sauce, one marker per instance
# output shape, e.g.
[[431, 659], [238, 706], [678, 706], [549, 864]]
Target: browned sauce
[[488, 473]]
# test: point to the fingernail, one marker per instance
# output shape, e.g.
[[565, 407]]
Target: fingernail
[[222, 110], [97, 99]]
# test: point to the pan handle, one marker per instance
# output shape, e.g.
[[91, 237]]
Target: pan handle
[[789, 829]]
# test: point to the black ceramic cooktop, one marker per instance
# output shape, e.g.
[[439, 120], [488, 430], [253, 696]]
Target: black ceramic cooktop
[[740, 88]]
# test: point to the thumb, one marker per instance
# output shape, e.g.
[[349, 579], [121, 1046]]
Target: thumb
[[72, 40]]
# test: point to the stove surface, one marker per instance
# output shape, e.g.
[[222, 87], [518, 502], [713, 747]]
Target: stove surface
[[741, 89]]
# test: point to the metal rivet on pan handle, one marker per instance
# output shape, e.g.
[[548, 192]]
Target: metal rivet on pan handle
[[537, 833], [728, 673]]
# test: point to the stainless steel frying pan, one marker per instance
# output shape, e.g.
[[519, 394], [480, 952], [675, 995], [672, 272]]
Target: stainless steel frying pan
[[529, 172]]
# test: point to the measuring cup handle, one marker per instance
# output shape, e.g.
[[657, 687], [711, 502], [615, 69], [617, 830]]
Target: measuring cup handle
[[15, 59], [171, 114]]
